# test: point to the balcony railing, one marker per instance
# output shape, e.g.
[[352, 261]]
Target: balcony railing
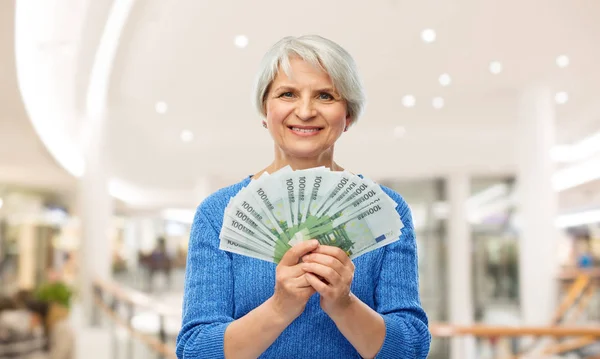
[[563, 334]]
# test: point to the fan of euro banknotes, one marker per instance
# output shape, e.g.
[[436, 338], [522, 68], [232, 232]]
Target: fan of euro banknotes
[[281, 209]]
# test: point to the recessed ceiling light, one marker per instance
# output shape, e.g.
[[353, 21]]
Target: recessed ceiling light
[[1, 202], [428, 35], [161, 107], [187, 136], [399, 131], [437, 103], [409, 101], [495, 67], [241, 41], [445, 80], [562, 61], [561, 97]]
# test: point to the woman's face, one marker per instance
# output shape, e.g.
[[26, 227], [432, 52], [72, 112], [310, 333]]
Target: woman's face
[[305, 115]]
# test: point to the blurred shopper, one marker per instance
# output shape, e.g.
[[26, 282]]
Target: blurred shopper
[[309, 92], [53, 323], [60, 337], [159, 261], [21, 332], [585, 259]]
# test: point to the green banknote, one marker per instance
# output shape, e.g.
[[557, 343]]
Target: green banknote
[[278, 210]]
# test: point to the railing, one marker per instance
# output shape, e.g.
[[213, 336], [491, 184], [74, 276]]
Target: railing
[[505, 341], [561, 336], [120, 304]]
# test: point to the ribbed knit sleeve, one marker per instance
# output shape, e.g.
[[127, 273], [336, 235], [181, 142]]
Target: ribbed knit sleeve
[[208, 293], [397, 295]]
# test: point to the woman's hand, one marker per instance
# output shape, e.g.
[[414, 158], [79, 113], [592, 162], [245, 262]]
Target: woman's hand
[[292, 290], [337, 271]]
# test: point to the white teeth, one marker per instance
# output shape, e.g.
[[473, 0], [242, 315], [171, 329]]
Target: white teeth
[[305, 129]]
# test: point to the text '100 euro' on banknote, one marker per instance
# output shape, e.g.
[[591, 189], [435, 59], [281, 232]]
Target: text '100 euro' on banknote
[[279, 210]]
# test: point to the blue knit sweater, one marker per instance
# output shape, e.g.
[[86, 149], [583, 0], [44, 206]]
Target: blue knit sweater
[[221, 287]]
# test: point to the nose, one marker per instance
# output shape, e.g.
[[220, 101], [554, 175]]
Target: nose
[[305, 110]]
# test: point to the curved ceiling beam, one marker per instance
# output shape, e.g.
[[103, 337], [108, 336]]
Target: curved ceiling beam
[[45, 51], [96, 98], [49, 54]]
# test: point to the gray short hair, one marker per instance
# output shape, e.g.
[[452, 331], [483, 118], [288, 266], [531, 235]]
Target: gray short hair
[[320, 52]]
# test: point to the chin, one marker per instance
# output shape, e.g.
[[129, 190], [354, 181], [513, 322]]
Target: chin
[[304, 151]]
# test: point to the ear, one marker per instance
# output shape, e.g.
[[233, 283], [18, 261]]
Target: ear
[[349, 121]]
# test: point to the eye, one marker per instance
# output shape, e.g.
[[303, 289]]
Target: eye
[[325, 96], [286, 94]]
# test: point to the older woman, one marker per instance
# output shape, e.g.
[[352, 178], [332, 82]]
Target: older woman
[[316, 303]]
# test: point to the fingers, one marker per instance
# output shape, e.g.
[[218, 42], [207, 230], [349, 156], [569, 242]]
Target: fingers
[[325, 260], [330, 265], [293, 255], [301, 282], [327, 273], [335, 252], [316, 283], [284, 273], [293, 283]]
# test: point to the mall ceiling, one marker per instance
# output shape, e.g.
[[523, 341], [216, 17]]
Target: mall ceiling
[[174, 81], [184, 54]]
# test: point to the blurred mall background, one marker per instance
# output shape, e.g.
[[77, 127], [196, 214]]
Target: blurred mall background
[[118, 117]]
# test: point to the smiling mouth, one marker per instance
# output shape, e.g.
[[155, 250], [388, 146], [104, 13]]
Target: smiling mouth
[[305, 129]]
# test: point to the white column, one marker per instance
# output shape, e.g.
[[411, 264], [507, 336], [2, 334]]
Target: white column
[[459, 263], [27, 266], [148, 233], [95, 211], [131, 242], [537, 207]]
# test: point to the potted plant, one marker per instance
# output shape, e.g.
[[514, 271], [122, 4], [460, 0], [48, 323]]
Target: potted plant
[[55, 292], [58, 296]]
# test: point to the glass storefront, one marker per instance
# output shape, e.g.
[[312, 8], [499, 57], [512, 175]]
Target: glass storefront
[[40, 240]]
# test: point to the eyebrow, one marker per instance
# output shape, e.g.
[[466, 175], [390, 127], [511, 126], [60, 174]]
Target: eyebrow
[[327, 89], [284, 87], [323, 89]]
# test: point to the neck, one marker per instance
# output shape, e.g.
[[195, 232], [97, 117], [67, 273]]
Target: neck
[[301, 163]]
